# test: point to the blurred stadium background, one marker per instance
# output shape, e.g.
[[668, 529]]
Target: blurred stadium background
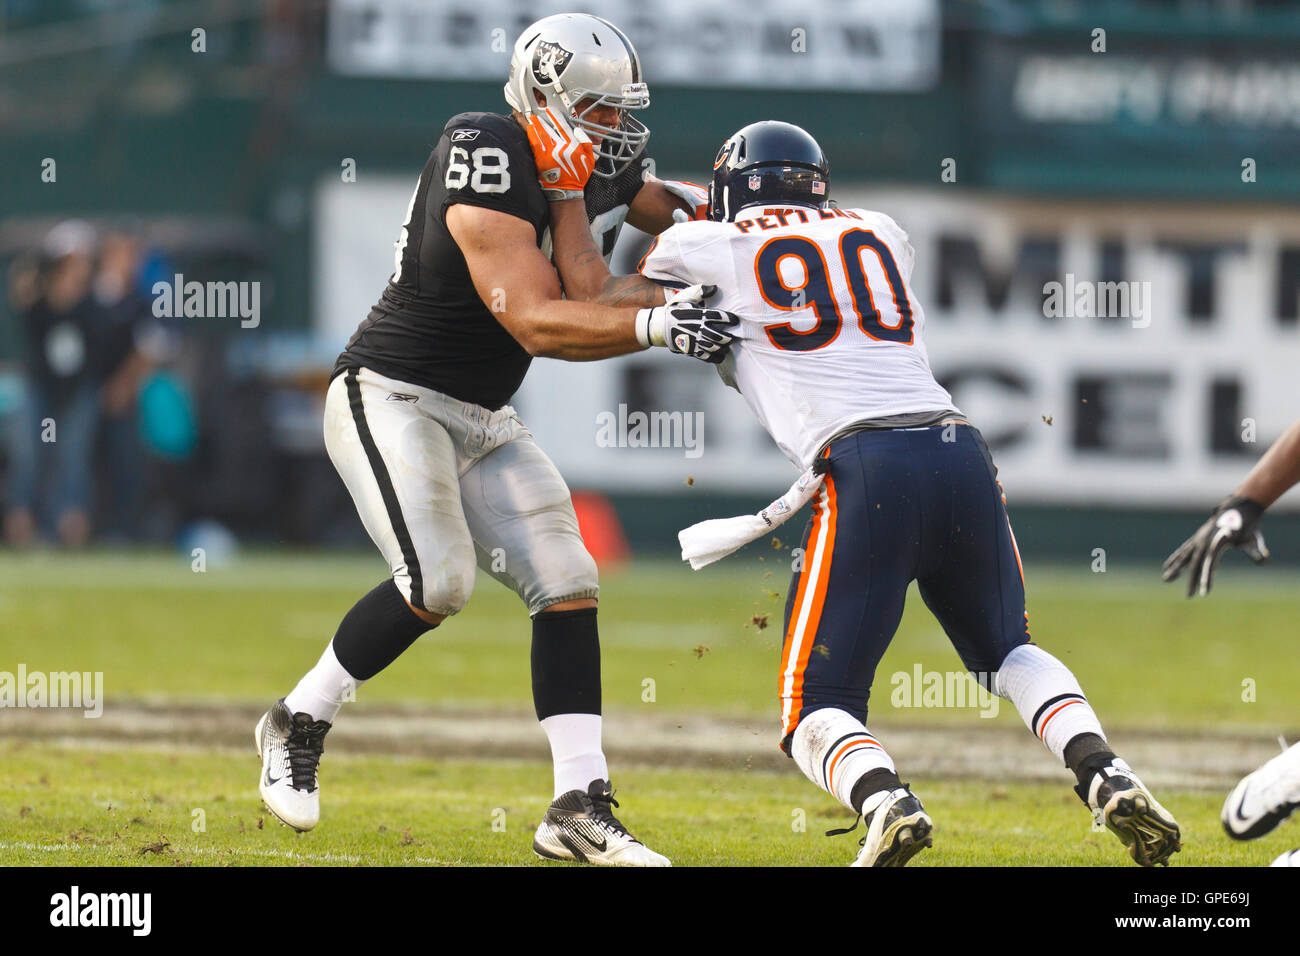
[[276, 142]]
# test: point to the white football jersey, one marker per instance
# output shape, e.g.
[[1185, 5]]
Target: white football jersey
[[830, 330]]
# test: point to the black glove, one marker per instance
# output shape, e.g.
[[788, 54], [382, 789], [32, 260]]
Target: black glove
[[705, 334], [1234, 525]]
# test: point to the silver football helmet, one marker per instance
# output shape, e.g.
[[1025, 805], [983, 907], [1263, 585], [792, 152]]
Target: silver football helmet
[[571, 57]]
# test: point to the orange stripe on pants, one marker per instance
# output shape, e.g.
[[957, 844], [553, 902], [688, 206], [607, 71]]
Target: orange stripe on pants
[[807, 612]]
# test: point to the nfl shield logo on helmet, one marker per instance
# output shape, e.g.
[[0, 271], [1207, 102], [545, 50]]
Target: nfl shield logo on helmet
[[755, 181]]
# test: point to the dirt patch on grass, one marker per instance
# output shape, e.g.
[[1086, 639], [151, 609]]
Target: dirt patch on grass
[[1163, 758]]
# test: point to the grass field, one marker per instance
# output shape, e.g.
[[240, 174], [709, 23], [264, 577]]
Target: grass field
[[239, 637]]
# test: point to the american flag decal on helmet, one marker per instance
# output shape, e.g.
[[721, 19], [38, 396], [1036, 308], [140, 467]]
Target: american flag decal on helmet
[[818, 188]]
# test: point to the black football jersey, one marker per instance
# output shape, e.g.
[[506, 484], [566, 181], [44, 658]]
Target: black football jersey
[[430, 327]]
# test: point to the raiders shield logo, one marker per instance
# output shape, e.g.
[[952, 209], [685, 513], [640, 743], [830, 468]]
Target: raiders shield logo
[[549, 61]]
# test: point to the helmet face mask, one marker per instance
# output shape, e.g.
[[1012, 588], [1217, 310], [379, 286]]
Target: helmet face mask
[[616, 145], [768, 163], [577, 60]]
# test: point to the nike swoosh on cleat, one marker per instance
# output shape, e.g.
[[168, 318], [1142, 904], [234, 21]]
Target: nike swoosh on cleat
[[272, 781], [1241, 803]]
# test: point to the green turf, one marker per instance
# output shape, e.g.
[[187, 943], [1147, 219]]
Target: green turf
[[78, 806], [1145, 655]]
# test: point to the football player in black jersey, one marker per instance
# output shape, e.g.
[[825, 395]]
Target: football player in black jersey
[[442, 471]]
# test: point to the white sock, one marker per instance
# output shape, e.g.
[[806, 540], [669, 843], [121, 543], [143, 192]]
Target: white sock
[[834, 749], [1048, 697], [323, 689], [575, 750]]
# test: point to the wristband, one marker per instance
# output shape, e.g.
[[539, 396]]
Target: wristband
[[650, 328]]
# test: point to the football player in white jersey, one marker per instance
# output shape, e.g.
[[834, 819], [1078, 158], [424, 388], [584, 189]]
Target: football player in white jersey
[[830, 357]]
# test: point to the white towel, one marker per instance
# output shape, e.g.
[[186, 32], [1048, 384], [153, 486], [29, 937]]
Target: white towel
[[712, 540]]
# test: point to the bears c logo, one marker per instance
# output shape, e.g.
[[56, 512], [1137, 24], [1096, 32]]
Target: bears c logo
[[723, 153]]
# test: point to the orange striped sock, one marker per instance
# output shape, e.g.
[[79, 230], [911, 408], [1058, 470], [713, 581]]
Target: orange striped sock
[[835, 750]]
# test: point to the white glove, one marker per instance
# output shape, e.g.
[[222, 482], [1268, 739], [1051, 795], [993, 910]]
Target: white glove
[[682, 326], [697, 197]]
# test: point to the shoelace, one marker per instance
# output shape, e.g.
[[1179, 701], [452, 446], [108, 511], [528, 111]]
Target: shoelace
[[305, 745], [856, 821], [600, 810]]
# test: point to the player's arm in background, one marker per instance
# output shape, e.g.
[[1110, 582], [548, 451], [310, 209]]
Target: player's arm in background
[[1235, 524], [659, 204]]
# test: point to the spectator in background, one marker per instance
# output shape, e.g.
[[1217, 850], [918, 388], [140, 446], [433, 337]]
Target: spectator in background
[[53, 441], [130, 345]]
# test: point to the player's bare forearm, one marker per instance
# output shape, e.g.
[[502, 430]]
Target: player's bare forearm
[[581, 267], [631, 290], [581, 331], [1277, 471], [513, 277]]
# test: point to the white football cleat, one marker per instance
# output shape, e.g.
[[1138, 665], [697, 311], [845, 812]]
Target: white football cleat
[[898, 828], [1289, 858], [581, 826], [1118, 798], [1265, 798], [290, 746]]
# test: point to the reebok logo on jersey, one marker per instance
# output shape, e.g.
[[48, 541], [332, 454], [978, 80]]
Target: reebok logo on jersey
[[464, 135], [402, 397]]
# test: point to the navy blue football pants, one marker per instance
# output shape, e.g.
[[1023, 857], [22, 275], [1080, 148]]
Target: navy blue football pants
[[899, 505]]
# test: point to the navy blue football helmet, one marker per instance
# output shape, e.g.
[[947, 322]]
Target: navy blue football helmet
[[768, 163]]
